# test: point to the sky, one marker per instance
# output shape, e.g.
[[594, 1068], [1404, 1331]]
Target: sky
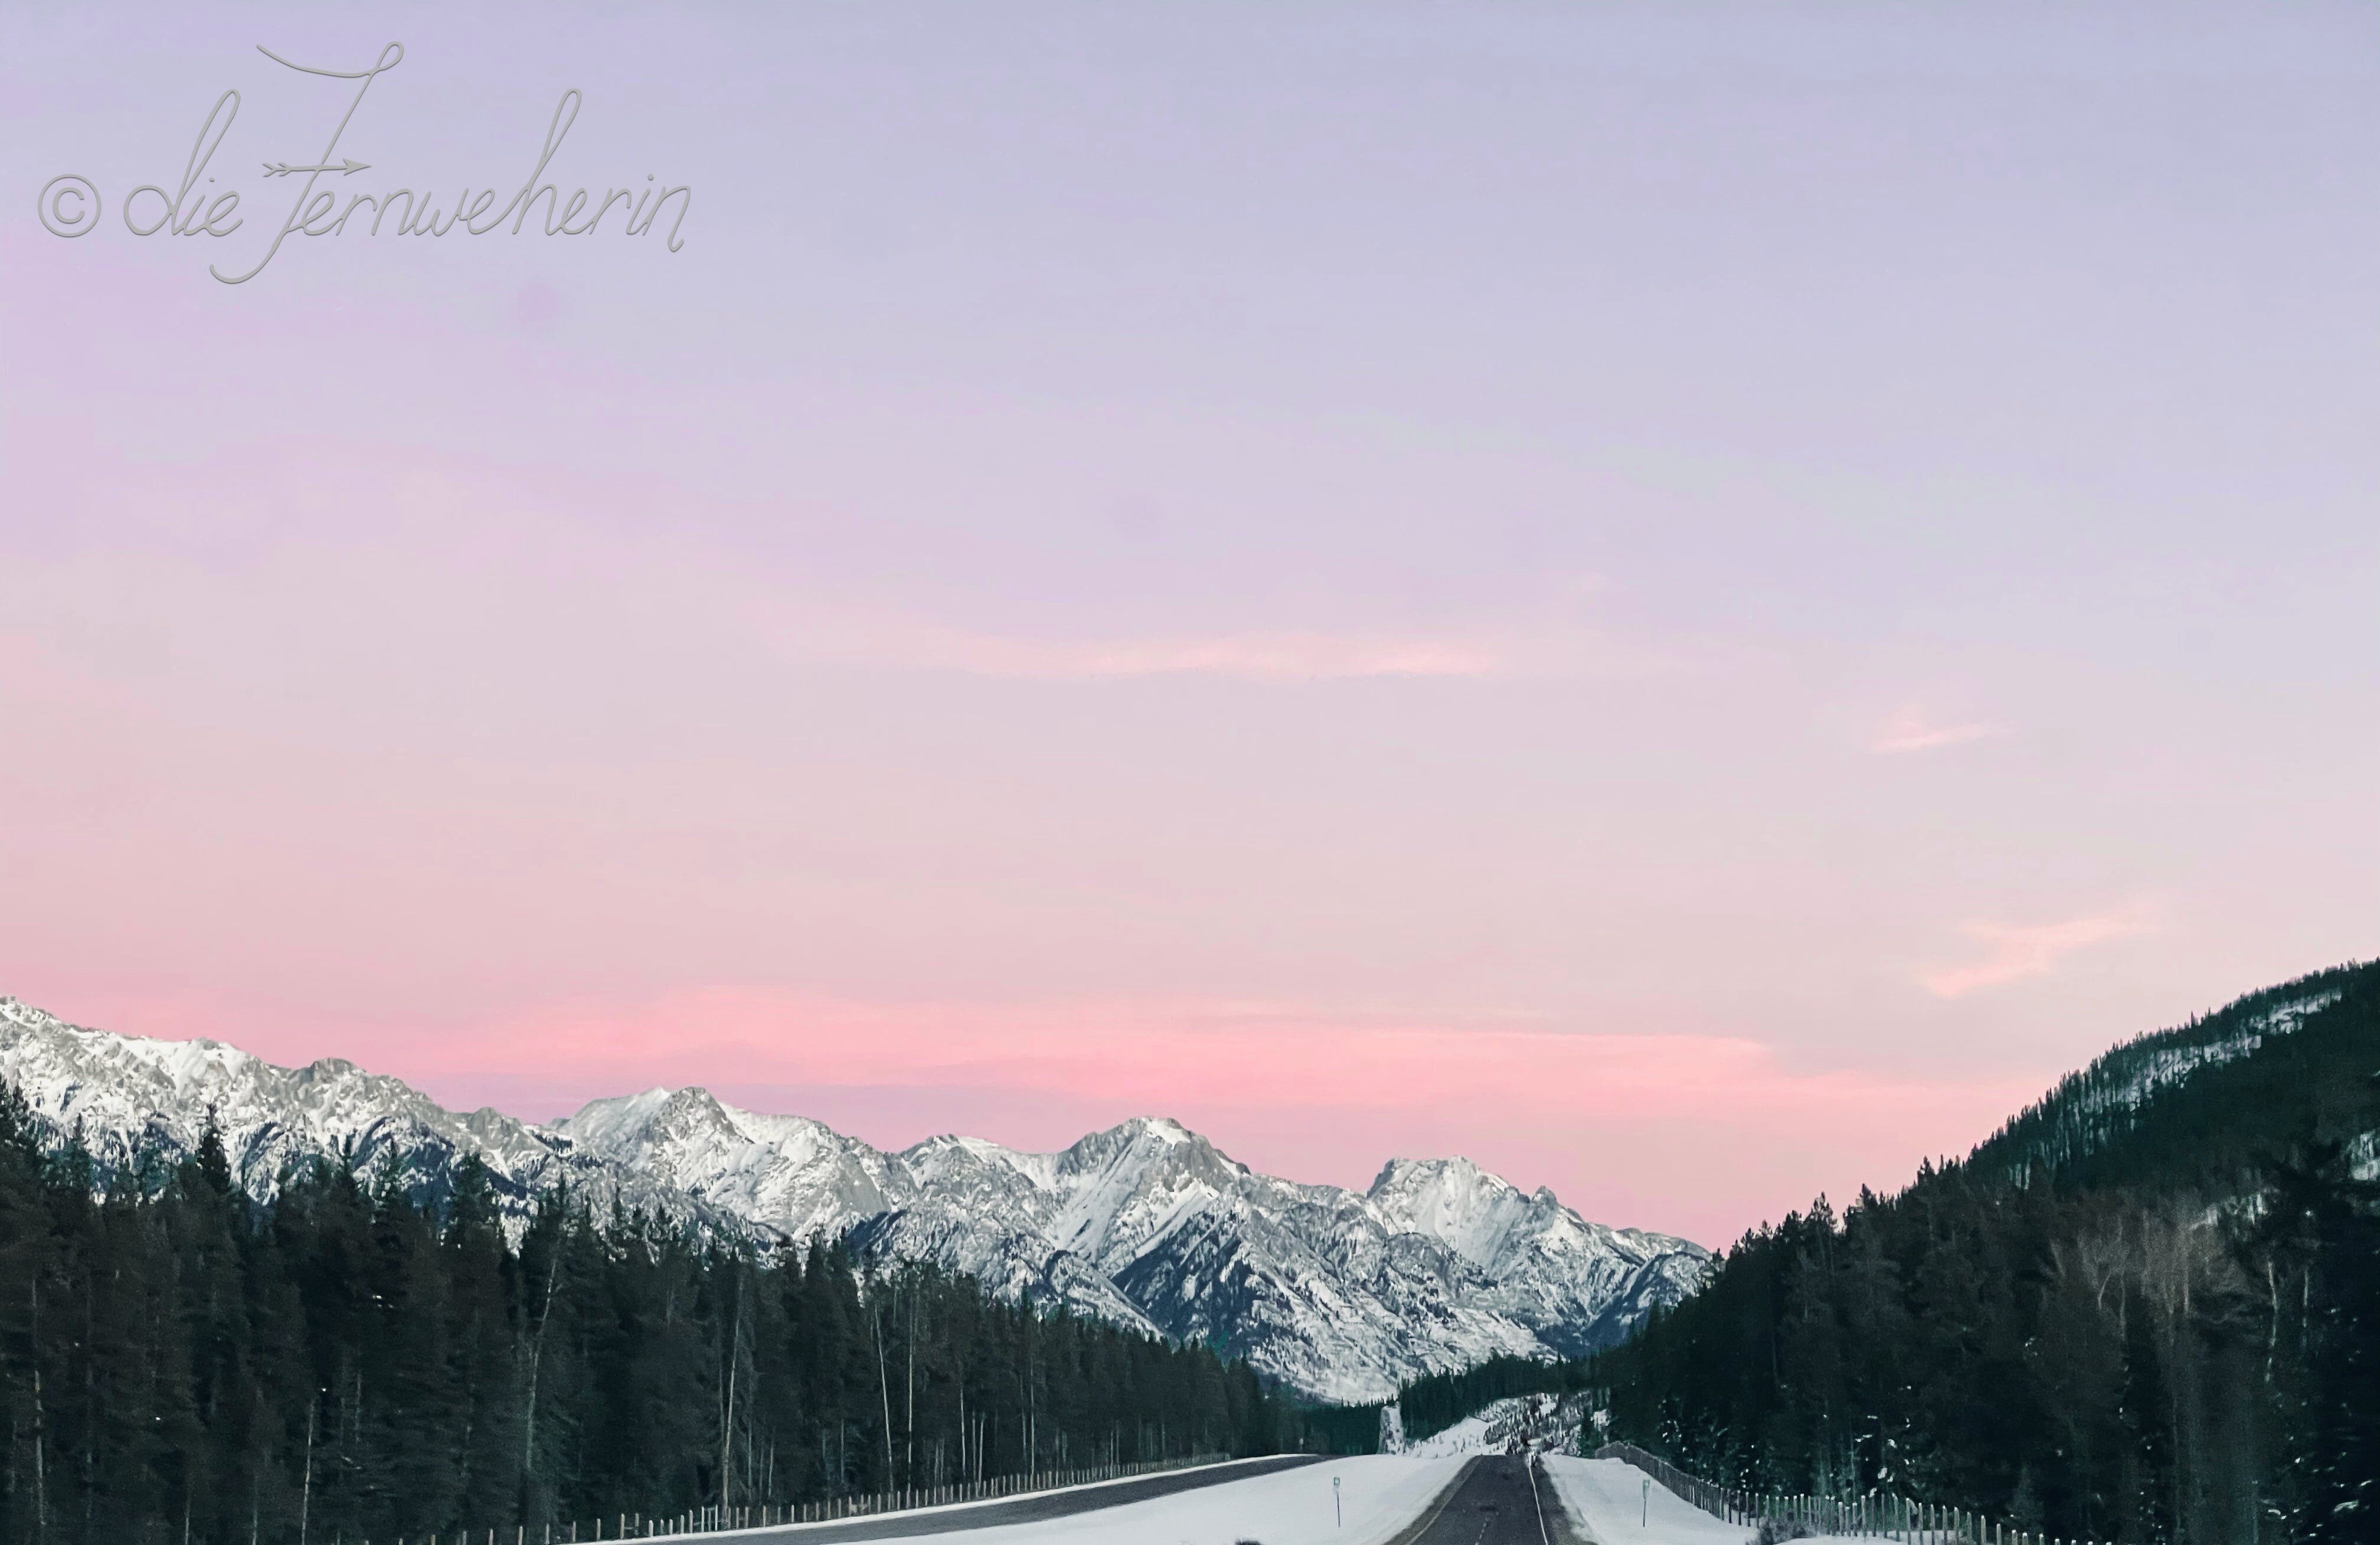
[[1692, 602]]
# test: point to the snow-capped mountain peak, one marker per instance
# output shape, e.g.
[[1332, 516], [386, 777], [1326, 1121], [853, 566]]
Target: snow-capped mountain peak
[[789, 1174], [1457, 1203], [1340, 1294]]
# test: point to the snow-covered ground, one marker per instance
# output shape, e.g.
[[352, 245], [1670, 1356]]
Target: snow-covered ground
[[1610, 1499], [1468, 1436], [1381, 1494], [1549, 1425]]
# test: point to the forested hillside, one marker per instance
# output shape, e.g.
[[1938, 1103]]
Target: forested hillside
[[2148, 1309], [180, 1363], [1435, 1402]]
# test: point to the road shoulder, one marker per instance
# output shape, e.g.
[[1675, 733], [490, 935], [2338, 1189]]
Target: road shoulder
[[1428, 1514]]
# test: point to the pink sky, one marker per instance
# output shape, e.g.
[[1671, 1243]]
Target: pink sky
[[1689, 606]]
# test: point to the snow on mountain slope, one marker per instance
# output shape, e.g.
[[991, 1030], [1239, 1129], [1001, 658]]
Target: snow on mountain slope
[[791, 1175], [1341, 1294], [126, 1093], [2098, 1106], [2162, 1061], [1578, 1286]]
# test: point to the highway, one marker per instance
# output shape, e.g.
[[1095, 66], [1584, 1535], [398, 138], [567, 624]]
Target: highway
[[1494, 1503], [1036, 1508]]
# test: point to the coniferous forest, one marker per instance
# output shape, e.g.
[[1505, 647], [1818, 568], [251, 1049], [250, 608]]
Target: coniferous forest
[[2147, 1311], [180, 1362]]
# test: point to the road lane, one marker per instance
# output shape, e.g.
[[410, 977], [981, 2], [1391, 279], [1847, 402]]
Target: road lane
[[1496, 1502], [1040, 1507]]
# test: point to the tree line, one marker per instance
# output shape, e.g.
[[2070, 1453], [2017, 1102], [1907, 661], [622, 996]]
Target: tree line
[[1435, 1402], [180, 1362], [1431, 1402], [2144, 1312]]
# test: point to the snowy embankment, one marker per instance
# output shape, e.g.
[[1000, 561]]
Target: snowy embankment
[[1617, 1506], [1546, 1424], [1468, 1436], [1380, 1495]]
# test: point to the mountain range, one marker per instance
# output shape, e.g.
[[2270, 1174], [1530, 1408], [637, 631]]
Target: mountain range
[[1340, 1295]]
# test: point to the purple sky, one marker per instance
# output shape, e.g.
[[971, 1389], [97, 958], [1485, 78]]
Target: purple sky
[[1690, 602]]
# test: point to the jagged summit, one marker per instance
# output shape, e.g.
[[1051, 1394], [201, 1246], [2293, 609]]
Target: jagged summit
[[1341, 1294]]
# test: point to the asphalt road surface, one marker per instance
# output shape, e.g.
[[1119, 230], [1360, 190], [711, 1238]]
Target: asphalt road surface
[[1493, 1503], [1032, 1509]]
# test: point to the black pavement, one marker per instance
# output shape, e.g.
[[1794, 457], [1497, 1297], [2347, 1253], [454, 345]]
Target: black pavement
[[1495, 1500]]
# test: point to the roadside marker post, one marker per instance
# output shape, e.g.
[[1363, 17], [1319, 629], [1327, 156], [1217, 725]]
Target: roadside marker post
[[1646, 1521], [1337, 1508]]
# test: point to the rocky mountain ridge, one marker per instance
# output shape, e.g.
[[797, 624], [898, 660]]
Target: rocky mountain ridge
[[1342, 1294]]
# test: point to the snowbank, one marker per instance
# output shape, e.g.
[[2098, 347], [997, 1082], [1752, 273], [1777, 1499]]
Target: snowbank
[[1608, 1497], [1381, 1494]]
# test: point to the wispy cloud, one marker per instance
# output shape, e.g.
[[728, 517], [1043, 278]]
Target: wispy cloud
[[1157, 1055], [1286, 656], [2015, 951], [473, 536], [1911, 731]]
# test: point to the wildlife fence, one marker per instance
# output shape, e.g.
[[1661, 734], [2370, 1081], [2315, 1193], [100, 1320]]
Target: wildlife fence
[[718, 1519], [1874, 1514]]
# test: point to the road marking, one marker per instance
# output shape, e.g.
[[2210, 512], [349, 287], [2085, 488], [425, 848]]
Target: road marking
[[1416, 1530]]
